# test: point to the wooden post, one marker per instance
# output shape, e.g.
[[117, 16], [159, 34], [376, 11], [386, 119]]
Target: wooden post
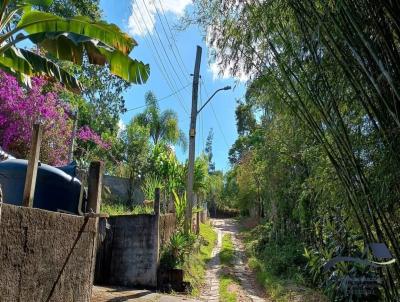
[[95, 181], [31, 170], [157, 201]]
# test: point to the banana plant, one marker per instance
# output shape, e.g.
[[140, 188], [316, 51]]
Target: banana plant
[[66, 39]]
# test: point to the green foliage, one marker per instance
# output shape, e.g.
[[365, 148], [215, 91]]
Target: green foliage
[[318, 139], [208, 151], [225, 292], [278, 267], [227, 251], [177, 250], [71, 8], [195, 265], [64, 39], [120, 208], [180, 207], [200, 174], [163, 125], [150, 185]]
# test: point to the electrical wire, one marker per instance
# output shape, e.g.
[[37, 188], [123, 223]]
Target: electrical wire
[[170, 82], [173, 38], [161, 99], [165, 52], [178, 61]]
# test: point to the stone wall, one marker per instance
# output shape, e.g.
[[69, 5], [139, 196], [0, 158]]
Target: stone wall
[[45, 256], [129, 247]]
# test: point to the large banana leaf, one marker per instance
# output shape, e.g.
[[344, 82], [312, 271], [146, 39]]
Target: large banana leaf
[[35, 22], [27, 63], [133, 71], [70, 46]]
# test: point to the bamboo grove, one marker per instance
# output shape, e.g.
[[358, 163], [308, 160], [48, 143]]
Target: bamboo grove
[[333, 67]]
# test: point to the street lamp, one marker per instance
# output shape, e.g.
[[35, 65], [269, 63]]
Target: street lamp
[[209, 99], [192, 140]]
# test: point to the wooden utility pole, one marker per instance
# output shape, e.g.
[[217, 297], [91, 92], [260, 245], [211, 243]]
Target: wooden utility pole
[[33, 162], [192, 141]]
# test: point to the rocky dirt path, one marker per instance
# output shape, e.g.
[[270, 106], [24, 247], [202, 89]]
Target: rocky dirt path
[[248, 290], [210, 291]]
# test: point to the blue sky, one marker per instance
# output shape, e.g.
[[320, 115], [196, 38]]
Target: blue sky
[[140, 18]]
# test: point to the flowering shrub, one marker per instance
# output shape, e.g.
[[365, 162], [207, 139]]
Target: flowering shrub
[[20, 108], [88, 135]]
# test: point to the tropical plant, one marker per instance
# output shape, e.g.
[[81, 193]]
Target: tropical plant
[[64, 39], [179, 246], [180, 207], [200, 175], [163, 125], [150, 184]]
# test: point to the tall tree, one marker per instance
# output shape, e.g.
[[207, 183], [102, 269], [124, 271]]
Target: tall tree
[[163, 125], [209, 151], [333, 67]]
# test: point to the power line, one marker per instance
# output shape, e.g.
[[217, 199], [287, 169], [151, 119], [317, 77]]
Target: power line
[[160, 65], [155, 54], [162, 46], [173, 38], [161, 99], [169, 39]]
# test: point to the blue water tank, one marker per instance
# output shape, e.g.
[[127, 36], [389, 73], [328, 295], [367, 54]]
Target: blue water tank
[[55, 190]]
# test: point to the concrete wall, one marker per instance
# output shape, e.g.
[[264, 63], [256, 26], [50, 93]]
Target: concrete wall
[[128, 255], [45, 256], [128, 250], [120, 188]]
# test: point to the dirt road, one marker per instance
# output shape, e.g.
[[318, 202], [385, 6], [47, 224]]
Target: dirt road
[[247, 290]]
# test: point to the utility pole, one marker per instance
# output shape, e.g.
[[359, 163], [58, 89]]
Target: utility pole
[[192, 142]]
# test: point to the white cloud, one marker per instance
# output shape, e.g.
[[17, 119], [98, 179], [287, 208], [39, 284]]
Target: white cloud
[[143, 14], [225, 73], [219, 72], [121, 127]]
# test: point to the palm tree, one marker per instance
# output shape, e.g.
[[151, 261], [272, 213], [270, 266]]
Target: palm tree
[[163, 125], [64, 39]]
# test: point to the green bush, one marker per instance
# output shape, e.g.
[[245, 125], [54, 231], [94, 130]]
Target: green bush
[[175, 253]]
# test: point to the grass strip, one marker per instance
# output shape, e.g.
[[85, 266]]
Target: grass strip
[[226, 294], [227, 251], [195, 266]]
